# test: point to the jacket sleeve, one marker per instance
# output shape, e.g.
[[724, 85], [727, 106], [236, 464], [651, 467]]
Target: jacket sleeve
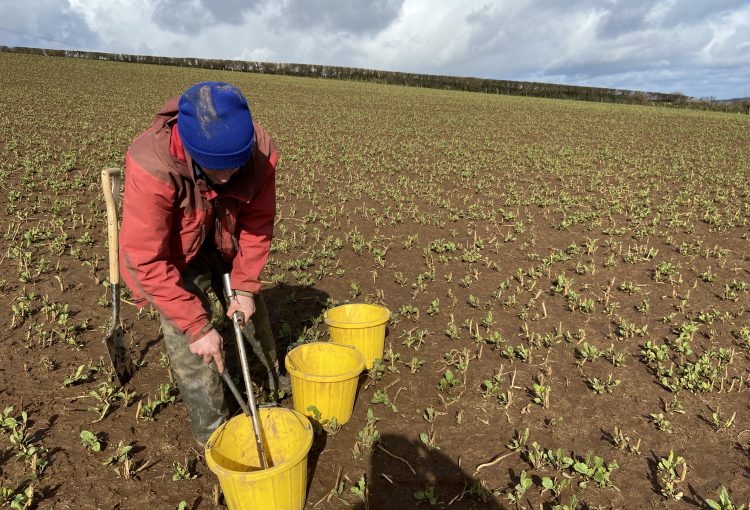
[[144, 252], [255, 225]]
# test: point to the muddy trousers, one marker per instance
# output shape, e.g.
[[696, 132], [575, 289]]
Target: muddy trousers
[[200, 385]]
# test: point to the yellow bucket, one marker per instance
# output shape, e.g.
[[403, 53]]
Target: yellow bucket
[[361, 325], [325, 375], [232, 454]]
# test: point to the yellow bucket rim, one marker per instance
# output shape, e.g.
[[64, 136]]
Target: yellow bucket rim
[[262, 473], [357, 325], [296, 372]]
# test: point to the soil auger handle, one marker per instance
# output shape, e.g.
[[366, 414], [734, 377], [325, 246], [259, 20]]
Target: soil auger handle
[[237, 319]]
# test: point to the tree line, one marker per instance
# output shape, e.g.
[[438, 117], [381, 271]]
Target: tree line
[[508, 87]]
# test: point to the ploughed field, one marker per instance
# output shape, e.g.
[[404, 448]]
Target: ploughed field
[[569, 285]]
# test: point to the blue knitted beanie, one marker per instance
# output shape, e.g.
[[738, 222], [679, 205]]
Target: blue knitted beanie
[[215, 125]]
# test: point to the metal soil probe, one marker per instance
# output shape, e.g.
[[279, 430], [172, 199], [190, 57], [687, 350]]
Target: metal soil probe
[[237, 320]]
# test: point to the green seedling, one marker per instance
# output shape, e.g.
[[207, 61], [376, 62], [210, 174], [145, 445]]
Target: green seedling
[[452, 331], [519, 440], [473, 301], [708, 276], [359, 489], [27, 449], [415, 339], [743, 335], [391, 358], [540, 393], [724, 502], [515, 495], [106, 396], [594, 468], [720, 422], [661, 422], [488, 320], [653, 353], [428, 438], [182, 471], [601, 386], [330, 426], [415, 364], [555, 485], [163, 360], [494, 339], [90, 442], [368, 436], [571, 505], [21, 500], [377, 371], [381, 397], [491, 387], [667, 469], [625, 442], [83, 374], [426, 496], [617, 358], [448, 381], [558, 459], [410, 312], [520, 352], [675, 406], [149, 409], [430, 414], [7, 419], [120, 456], [480, 491], [434, 308], [587, 353], [534, 454]]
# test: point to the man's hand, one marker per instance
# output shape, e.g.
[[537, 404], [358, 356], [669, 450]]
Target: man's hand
[[242, 304], [209, 347]]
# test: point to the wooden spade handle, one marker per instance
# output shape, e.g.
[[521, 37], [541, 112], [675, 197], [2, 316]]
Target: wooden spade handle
[[111, 188]]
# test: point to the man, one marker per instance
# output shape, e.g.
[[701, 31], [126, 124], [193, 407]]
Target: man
[[200, 201]]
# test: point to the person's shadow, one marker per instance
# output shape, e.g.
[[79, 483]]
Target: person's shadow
[[292, 309], [431, 479]]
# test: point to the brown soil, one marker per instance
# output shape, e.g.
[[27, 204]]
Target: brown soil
[[390, 163]]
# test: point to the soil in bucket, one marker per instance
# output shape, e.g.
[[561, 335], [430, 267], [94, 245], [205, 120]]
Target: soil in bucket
[[232, 455], [325, 377], [361, 325]]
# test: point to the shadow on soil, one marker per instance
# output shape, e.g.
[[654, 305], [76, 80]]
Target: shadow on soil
[[433, 478], [292, 308]]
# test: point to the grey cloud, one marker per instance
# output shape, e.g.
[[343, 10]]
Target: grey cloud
[[193, 16], [49, 24], [692, 12], [624, 38], [623, 17], [356, 17]]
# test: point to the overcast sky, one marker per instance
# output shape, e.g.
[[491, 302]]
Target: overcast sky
[[698, 47]]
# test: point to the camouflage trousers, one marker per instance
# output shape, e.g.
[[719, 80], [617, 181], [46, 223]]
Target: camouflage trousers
[[200, 385]]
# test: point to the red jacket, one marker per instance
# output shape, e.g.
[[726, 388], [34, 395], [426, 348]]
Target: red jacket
[[167, 215]]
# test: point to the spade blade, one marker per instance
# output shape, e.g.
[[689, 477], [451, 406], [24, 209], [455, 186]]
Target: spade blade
[[119, 355]]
